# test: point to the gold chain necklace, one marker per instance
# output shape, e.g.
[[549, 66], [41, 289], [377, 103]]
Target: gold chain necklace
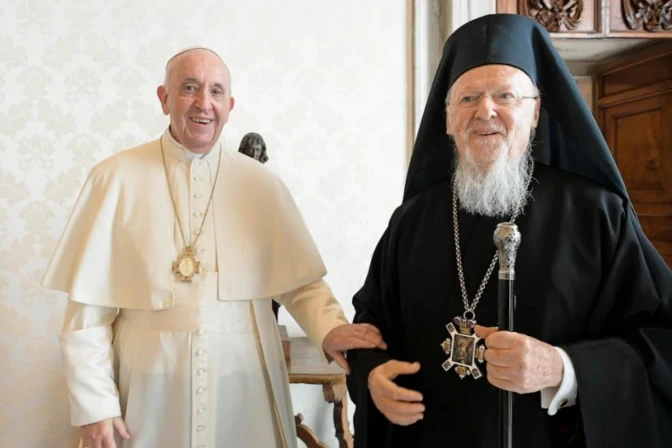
[[186, 265]]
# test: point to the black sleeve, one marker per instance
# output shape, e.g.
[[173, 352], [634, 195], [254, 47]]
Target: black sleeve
[[624, 372], [376, 303]]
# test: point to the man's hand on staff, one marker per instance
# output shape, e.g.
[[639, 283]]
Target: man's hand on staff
[[520, 363]]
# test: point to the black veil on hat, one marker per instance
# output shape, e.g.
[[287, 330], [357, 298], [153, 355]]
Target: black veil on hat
[[567, 136]]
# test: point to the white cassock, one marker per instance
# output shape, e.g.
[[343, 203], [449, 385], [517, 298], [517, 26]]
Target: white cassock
[[187, 364]]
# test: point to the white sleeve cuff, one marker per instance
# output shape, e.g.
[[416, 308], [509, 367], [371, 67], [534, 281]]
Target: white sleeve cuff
[[88, 362], [554, 398], [316, 310]]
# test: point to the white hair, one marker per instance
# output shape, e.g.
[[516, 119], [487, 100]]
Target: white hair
[[169, 64], [500, 191], [502, 188]]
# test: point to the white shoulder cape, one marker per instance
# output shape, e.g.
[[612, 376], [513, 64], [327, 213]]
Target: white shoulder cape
[[117, 248]]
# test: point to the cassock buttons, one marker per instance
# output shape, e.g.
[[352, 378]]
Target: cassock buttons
[[200, 446], [198, 214], [200, 428], [197, 178], [200, 332], [198, 195], [200, 372], [200, 352], [200, 410], [200, 390]]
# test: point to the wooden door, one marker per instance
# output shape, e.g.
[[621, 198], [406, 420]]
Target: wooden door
[[639, 134], [635, 114]]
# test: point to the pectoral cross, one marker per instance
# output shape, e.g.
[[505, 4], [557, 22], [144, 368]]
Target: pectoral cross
[[464, 348]]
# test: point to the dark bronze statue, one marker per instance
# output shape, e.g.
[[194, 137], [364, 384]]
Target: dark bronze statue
[[253, 145]]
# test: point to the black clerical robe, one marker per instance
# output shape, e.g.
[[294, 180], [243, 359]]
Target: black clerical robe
[[582, 283]]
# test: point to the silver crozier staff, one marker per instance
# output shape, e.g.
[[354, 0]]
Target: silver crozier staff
[[507, 240]]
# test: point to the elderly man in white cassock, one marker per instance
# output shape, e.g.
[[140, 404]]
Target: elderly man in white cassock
[[170, 259]]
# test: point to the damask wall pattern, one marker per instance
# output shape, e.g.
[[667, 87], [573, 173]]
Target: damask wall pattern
[[323, 82]]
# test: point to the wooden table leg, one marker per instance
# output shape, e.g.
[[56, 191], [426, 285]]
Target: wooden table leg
[[337, 394], [306, 435]]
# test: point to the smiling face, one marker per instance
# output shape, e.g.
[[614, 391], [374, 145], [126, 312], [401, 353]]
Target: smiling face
[[197, 96], [491, 113], [492, 109]]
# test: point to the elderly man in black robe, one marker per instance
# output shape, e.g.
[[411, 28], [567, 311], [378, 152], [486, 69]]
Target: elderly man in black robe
[[506, 136]]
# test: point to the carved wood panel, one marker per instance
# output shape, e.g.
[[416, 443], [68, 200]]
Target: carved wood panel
[[651, 15], [596, 18], [567, 17], [555, 15], [641, 18]]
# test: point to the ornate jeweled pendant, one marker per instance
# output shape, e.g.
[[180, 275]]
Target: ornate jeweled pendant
[[464, 348], [186, 265]]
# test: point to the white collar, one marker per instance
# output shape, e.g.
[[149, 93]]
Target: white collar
[[182, 154]]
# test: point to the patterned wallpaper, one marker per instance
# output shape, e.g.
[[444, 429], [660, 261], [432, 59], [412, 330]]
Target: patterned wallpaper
[[323, 82]]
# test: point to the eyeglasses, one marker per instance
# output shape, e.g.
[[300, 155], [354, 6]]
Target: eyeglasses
[[505, 99]]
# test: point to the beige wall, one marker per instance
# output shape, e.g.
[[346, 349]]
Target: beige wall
[[323, 82]]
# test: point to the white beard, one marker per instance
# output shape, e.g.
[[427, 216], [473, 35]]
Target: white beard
[[502, 191]]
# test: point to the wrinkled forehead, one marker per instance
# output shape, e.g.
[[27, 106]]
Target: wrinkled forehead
[[493, 76], [201, 65]]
